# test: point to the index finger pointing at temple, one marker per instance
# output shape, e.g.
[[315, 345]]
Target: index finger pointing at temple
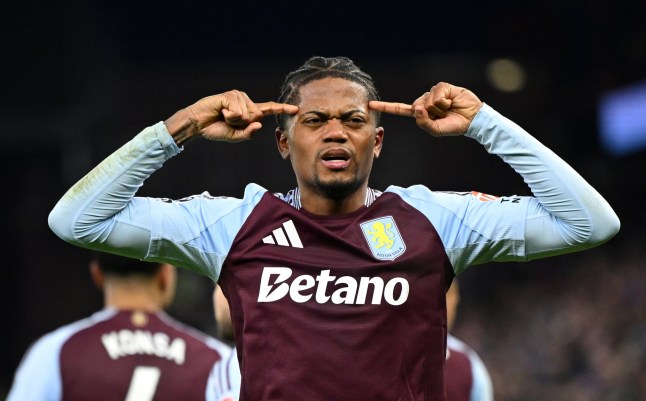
[[269, 108], [400, 109]]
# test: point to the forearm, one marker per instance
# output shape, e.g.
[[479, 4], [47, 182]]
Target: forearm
[[182, 126], [576, 216], [85, 215]]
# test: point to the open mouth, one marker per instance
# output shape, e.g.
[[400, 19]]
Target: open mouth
[[336, 159]]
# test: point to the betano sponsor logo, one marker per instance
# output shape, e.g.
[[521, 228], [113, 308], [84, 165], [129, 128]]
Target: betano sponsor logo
[[349, 290]]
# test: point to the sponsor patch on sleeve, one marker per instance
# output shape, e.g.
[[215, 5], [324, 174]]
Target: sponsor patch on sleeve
[[484, 197]]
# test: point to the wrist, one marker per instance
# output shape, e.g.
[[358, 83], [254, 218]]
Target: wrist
[[182, 126]]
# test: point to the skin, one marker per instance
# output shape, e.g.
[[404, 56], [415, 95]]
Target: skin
[[452, 302], [332, 143], [222, 314], [333, 120], [445, 110]]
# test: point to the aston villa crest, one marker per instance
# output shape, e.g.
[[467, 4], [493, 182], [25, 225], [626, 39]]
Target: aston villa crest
[[383, 238]]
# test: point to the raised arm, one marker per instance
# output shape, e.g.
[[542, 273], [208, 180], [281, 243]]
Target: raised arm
[[101, 211], [567, 214]]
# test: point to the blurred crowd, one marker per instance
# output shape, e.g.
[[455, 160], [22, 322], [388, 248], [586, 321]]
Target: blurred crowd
[[575, 331]]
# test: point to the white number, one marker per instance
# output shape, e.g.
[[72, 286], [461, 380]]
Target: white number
[[143, 383]]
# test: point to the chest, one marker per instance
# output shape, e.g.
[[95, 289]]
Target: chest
[[380, 252]]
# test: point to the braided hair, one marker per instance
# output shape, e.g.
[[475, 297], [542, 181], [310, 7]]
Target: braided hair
[[317, 68]]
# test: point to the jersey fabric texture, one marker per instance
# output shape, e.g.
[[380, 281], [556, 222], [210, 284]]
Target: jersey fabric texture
[[118, 355], [466, 377], [342, 307]]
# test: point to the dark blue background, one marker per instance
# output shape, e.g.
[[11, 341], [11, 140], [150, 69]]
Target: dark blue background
[[80, 78]]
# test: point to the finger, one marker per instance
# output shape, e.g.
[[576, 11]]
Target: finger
[[270, 108], [439, 108], [232, 107], [232, 117], [244, 103], [438, 101], [240, 109], [400, 109], [425, 120], [443, 103], [251, 129]]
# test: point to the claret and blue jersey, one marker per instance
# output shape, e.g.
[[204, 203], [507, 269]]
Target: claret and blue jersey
[[345, 307], [319, 289]]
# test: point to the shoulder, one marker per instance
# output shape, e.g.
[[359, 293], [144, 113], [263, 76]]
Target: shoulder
[[469, 207], [54, 340], [424, 199], [38, 374], [421, 194], [253, 192], [195, 336]]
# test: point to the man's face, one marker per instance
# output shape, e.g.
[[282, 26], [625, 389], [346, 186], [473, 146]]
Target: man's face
[[333, 139]]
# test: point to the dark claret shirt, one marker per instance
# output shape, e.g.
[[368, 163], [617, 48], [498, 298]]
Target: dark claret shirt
[[365, 276], [118, 355]]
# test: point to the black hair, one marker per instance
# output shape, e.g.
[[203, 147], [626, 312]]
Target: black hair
[[122, 266], [318, 68]]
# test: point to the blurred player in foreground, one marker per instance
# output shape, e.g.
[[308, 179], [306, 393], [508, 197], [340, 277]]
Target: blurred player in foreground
[[224, 380], [466, 377], [131, 350]]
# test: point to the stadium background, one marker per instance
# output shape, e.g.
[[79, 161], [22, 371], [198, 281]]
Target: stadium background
[[80, 78]]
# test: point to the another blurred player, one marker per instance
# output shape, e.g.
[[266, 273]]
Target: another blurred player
[[131, 350], [466, 377], [224, 380]]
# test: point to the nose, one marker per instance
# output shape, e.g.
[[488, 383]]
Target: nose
[[335, 131]]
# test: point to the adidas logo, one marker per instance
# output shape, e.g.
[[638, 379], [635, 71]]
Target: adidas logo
[[285, 235]]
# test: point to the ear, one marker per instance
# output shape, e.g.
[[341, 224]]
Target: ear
[[167, 281], [167, 276], [98, 278], [282, 143], [379, 140]]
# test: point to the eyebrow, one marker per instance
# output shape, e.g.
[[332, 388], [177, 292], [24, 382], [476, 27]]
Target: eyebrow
[[342, 116]]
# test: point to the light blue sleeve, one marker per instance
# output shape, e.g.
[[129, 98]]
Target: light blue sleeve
[[482, 386], [482, 389], [565, 213], [224, 380], [472, 231], [101, 212], [38, 377], [197, 232]]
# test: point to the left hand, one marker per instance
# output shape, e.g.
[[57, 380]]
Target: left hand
[[445, 110]]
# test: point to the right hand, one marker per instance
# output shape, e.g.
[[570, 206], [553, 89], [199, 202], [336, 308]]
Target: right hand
[[231, 116]]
